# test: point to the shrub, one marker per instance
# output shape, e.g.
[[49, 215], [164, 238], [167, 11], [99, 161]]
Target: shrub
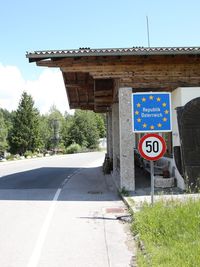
[[28, 154], [73, 148], [10, 157]]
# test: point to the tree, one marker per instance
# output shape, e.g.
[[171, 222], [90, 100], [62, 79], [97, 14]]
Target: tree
[[83, 129], [44, 133], [3, 134], [100, 120], [56, 124], [8, 118], [65, 131], [25, 131]]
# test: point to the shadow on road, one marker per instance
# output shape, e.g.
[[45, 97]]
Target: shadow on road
[[86, 184]]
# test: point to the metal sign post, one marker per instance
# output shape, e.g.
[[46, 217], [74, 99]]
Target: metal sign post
[[152, 147], [151, 113], [152, 182]]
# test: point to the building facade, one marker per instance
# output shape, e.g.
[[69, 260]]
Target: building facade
[[103, 80]]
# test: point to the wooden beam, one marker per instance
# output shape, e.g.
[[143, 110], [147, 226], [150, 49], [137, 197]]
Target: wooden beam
[[104, 99], [111, 60], [103, 93]]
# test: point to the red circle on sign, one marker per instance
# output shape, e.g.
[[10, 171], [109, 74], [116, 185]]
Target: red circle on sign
[[160, 153]]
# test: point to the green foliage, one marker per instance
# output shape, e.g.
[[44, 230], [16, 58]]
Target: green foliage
[[25, 132], [28, 154], [3, 134], [44, 133], [68, 120], [170, 232], [83, 129], [100, 122], [124, 192], [73, 148], [10, 157], [8, 118]]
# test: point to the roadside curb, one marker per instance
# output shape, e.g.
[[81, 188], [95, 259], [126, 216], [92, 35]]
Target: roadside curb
[[128, 203]]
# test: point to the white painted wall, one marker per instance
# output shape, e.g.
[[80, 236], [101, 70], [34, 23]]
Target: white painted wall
[[180, 97]]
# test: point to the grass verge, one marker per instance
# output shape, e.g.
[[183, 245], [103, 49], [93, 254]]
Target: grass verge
[[170, 232]]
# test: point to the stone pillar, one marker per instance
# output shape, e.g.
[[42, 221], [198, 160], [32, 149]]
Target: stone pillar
[[127, 140], [109, 135], [115, 139]]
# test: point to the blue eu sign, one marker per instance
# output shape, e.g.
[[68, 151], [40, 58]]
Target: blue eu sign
[[151, 112]]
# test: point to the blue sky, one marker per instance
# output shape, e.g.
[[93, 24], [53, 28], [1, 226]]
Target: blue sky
[[62, 24]]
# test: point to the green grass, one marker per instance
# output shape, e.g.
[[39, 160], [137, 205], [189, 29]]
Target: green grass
[[170, 232]]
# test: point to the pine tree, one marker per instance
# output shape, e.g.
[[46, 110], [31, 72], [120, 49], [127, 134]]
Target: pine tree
[[3, 135], [25, 132]]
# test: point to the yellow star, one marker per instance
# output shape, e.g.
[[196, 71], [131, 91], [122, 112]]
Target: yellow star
[[151, 127], [164, 119], [164, 104], [139, 120], [143, 99], [159, 125], [166, 111], [138, 105], [158, 99], [144, 125], [151, 97], [137, 112]]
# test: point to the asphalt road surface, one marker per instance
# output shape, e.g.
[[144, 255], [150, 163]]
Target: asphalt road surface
[[60, 211]]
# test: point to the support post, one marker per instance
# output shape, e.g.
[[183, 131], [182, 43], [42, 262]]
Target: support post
[[109, 136], [127, 140], [115, 142]]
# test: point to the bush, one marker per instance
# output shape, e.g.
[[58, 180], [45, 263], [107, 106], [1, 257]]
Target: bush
[[10, 157], [28, 154], [73, 148]]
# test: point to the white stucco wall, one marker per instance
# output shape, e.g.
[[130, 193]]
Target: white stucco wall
[[180, 97]]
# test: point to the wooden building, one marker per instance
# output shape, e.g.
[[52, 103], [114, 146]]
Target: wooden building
[[104, 79]]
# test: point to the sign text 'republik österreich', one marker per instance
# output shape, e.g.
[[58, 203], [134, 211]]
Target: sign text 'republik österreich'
[[151, 112]]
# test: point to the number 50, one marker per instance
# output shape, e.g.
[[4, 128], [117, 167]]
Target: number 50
[[152, 146]]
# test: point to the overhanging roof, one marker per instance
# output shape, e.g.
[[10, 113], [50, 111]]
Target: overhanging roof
[[92, 76]]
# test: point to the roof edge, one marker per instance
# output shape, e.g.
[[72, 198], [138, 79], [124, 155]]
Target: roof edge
[[137, 51]]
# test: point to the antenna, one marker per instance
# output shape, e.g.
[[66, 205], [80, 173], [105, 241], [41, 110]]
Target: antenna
[[148, 31]]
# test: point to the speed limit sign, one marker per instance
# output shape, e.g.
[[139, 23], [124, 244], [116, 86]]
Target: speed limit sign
[[152, 146]]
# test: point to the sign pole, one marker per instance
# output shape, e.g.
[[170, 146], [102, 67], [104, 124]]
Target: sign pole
[[152, 181], [152, 147]]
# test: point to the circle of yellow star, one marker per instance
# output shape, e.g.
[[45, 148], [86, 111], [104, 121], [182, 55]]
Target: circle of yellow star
[[164, 119], [143, 99], [144, 125], [151, 127], [137, 112], [138, 105], [158, 99], [166, 111], [159, 125], [164, 104], [151, 97], [139, 120]]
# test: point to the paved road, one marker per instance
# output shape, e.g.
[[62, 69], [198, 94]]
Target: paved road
[[60, 212]]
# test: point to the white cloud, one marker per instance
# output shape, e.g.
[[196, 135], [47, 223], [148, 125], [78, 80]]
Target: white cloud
[[46, 91]]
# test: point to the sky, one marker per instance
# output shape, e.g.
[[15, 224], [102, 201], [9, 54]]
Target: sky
[[63, 24]]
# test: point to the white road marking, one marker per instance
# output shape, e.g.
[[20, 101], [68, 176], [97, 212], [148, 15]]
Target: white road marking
[[33, 262], [41, 238]]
